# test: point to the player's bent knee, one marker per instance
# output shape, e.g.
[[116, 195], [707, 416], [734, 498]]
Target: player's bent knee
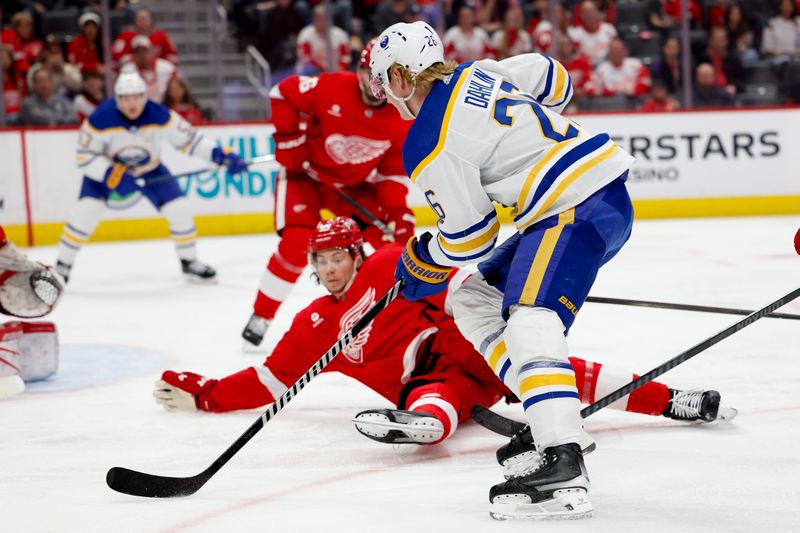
[[534, 333]]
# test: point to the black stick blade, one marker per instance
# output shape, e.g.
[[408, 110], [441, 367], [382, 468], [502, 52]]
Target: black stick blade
[[495, 422], [149, 486]]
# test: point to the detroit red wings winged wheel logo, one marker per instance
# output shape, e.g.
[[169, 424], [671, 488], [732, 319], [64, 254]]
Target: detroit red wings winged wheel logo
[[355, 350], [354, 149]]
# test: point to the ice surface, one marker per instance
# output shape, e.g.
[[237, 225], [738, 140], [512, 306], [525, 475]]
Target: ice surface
[[129, 314]]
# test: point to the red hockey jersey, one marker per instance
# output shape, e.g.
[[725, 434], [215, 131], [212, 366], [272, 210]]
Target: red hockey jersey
[[381, 357], [349, 140]]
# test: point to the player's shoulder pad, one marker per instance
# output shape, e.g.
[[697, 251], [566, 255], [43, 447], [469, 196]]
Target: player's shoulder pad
[[107, 116], [384, 258], [428, 131], [154, 115]]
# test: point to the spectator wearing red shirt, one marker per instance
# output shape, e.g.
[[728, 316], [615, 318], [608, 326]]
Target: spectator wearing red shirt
[[579, 67], [122, 49], [512, 39], [155, 72], [25, 47], [594, 36], [607, 8], [466, 41], [727, 65], [179, 99], [717, 12], [660, 101], [542, 34], [312, 45], [91, 96], [666, 14], [85, 51], [13, 85], [621, 74]]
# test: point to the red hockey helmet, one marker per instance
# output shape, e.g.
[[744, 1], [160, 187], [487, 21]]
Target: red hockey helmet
[[366, 53], [340, 232]]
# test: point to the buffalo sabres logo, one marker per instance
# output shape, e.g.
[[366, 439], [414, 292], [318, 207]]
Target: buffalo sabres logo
[[384, 42], [133, 156], [354, 149], [355, 350]]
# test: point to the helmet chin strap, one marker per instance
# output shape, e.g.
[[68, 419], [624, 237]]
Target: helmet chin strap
[[403, 101]]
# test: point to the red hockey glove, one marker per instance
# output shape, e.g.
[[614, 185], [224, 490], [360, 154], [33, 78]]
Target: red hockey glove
[[416, 268], [291, 150], [185, 391]]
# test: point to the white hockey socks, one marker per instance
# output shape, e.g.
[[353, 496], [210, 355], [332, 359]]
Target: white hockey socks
[[537, 348], [82, 223], [181, 228]]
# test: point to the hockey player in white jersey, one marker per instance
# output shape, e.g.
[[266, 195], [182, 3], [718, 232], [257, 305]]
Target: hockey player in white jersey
[[119, 150], [490, 132]]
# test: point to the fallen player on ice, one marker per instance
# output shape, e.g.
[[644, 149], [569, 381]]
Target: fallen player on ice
[[413, 355]]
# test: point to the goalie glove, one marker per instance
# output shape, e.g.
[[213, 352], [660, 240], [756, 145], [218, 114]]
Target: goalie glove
[[184, 391], [421, 276], [27, 289]]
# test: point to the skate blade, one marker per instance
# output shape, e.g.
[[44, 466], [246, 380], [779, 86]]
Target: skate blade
[[378, 427], [567, 504], [195, 280], [251, 349], [726, 414]]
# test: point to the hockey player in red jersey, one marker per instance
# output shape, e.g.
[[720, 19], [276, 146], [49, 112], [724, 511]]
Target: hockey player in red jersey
[[412, 354], [330, 132]]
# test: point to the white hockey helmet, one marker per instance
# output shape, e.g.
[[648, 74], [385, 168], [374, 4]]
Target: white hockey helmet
[[415, 46], [129, 83]]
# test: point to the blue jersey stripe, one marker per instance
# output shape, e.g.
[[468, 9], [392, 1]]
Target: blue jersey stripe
[[504, 370], [549, 82], [472, 229]]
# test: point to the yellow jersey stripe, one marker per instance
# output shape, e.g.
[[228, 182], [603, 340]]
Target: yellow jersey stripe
[[569, 180], [546, 380], [561, 82], [526, 188], [542, 259], [445, 123], [498, 352], [472, 244]]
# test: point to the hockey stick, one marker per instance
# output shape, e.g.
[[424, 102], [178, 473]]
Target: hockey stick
[[683, 307], [503, 425], [161, 178], [378, 223], [141, 484]]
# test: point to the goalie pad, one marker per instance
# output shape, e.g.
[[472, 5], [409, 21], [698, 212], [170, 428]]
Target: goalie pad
[[27, 289], [38, 349], [10, 364]]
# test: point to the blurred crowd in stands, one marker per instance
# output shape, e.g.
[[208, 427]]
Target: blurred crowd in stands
[[53, 60], [621, 54]]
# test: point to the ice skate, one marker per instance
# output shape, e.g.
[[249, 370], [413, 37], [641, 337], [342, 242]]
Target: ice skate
[[197, 270], [394, 426], [556, 490], [254, 332], [696, 404], [519, 456]]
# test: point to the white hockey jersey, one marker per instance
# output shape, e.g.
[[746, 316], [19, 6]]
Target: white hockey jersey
[[493, 133], [107, 137]]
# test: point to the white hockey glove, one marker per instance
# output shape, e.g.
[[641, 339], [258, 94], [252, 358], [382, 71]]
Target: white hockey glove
[[172, 398], [27, 289]]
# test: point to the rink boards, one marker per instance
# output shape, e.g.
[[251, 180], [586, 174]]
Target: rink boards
[[712, 163]]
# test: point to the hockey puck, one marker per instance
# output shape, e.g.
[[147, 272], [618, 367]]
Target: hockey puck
[[797, 242]]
